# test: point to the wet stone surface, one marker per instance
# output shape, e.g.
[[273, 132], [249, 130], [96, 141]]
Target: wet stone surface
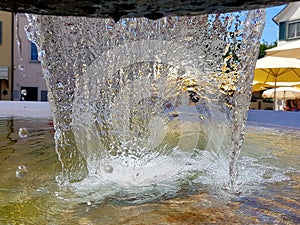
[[132, 8]]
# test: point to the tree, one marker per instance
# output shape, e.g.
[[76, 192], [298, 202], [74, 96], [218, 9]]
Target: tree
[[264, 46]]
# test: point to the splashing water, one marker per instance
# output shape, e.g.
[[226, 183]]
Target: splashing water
[[23, 132], [18, 39], [21, 171], [145, 106]]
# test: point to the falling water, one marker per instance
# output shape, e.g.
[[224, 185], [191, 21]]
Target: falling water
[[144, 106], [18, 40]]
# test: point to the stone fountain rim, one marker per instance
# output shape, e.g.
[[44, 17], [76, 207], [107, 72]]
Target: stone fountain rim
[[117, 9]]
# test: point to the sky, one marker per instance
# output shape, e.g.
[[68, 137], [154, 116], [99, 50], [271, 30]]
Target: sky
[[271, 29]]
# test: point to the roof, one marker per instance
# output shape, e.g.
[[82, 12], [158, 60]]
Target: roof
[[288, 13]]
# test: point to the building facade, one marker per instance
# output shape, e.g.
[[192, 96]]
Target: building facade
[[6, 55], [20, 70], [29, 84], [288, 21]]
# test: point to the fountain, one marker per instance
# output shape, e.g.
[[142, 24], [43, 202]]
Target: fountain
[[143, 106], [149, 121]]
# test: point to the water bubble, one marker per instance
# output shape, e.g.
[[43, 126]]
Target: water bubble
[[41, 54], [21, 67], [21, 171], [108, 169], [60, 85], [24, 92], [23, 133]]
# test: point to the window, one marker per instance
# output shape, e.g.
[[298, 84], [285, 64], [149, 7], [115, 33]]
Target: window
[[293, 30], [282, 31], [33, 52], [44, 96], [29, 94], [0, 33]]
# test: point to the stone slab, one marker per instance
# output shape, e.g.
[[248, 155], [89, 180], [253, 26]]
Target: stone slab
[[25, 109], [133, 8]]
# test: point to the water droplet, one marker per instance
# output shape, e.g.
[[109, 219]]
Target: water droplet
[[60, 85], [41, 54], [108, 169], [23, 133], [21, 171], [24, 92], [21, 67]]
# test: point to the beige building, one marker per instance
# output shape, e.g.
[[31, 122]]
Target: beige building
[[6, 55], [20, 71], [28, 82]]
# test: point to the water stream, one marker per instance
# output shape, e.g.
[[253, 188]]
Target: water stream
[[143, 109]]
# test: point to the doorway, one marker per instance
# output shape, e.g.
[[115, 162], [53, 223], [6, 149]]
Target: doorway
[[29, 93]]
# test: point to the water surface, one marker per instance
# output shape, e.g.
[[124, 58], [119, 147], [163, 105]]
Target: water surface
[[268, 188]]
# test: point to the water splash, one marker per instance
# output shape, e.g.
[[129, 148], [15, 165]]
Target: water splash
[[23, 132], [148, 103], [21, 171], [18, 39]]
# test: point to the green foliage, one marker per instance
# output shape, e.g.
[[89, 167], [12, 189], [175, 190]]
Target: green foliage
[[264, 46]]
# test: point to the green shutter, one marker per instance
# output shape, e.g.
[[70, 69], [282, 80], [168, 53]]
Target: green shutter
[[282, 31]]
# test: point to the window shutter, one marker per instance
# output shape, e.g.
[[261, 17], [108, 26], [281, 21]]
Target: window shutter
[[282, 31], [34, 52], [0, 33]]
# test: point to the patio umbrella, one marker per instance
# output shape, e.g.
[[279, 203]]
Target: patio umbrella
[[282, 93], [277, 69], [258, 86], [290, 50]]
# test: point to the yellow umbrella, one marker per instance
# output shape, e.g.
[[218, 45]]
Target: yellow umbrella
[[290, 50], [258, 86], [277, 69]]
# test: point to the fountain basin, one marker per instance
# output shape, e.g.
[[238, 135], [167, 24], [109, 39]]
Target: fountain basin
[[137, 79], [255, 117], [269, 179], [25, 109]]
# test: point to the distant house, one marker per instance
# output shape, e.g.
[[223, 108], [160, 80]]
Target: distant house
[[20, 70], [288, 21], [6, 55], [29, 84]]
